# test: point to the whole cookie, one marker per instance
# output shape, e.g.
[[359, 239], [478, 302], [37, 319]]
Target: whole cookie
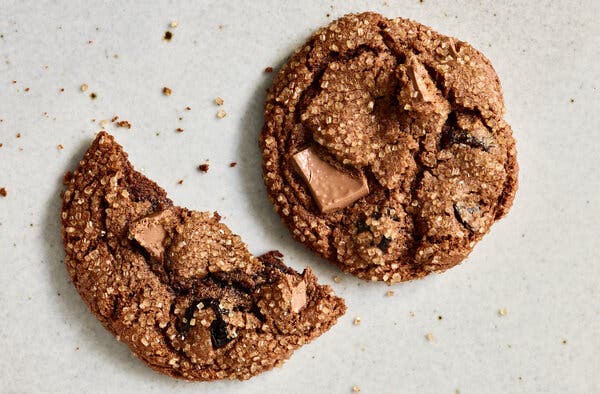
[[176, 285], [385, 149]]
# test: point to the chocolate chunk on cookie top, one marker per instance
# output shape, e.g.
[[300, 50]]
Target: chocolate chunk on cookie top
[[177, 286], [385, 149]]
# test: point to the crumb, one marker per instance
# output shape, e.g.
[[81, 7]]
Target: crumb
[[180, 118], [116, 56], [60, 147], [221, 27], [77, 348], [179, 130], [232, 164], [203, 167], [355, 389], [337, 279], [188, 108], [167, 91], [90, 42], [103, 123], [412, 314], [572, 100], [18, 135], [564, 341], [440, 317], [27, 89], [1, 145], [14, 81], [157, 133], [389, 293], [93, 96], [221, 114], [114, 119], [3, 192], [180, 182], [174, 24], [219, 101], [62, 90], [503, 311], [124, 123], [168, 35], [269, 69], [356, 321], [429, 337], [328, 15], [84, 87]]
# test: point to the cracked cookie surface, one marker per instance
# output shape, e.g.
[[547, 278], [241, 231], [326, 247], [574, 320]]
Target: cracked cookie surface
[[177, 286], [420, 115]]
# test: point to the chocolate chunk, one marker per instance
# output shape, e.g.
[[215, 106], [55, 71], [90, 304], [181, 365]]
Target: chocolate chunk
[[331, 188], [468, 215], [384, 244], [362, 226], [454, 135], [218, 333]]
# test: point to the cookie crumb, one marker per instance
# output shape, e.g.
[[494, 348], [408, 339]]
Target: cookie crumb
[[114, 119], [103, 123], [179, 130], [3, 192], [221, 114], [60, 147], [168, 35], [337, 279], [564, 341], [356, 321], [503, 311], [219, 101], [389, 293], [232, 164], [167, 91], [93, 96], [203, 167], [269, 70], [84, 87], [188, 108], [174, 24], [61, 90], [429, 337], [124, 123], [440, 317], [355, 389], [180, 182], [27, 89], [572, 100], [18, 135]]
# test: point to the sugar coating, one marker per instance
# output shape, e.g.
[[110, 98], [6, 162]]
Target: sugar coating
[[421, 115], [177, 286]]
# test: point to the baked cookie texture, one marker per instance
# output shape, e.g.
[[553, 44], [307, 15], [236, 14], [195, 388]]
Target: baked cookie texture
[[176, 285], [420, 115]]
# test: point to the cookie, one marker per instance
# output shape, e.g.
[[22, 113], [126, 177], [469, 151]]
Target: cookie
[[177, 286], [384, 147]]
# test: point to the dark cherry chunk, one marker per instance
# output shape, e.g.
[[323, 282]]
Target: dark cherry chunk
[[454, 135], [384, 244]]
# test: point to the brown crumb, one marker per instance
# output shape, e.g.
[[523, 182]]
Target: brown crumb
[[3, 192], [14, 81], [572, 100], [232, 164], [60, 147], [269, 69], [1, 145], [167, 91], [188, 108], [179, 130], [62, 90], [356, 321], [124, 123], [84, 87], [168, 35], [114, 119], [103, 123], [90, 42], [174, 24], [389, 293], [27, 89], [18, 135], [203, 167], [440, 317], [564, 341], [219, 101], [429, 337], [355, 389], [221, 114], [180, 182], [337, 279], [503, 311], [93, 96]]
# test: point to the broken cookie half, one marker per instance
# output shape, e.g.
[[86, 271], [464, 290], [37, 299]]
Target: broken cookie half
[[177, 286]]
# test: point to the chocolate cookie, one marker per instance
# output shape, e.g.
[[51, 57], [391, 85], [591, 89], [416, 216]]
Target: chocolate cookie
[[176, 285], [385, 149]]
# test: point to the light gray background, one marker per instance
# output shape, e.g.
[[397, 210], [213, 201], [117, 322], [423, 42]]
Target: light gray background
[[540, 262]]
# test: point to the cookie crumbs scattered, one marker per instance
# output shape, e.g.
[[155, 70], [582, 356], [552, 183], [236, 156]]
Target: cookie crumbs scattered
[[188, 108], [18, 135], [232, 164], [564, 341], [440, 317], [90, 42], [1, 145], [124, 123], [572, 100], [60, 147], [269, 70], [14, 81], [27, 89], [337, 279], [174, 24], [355, 389], [84, 87], [389, 293], [168, 35], [77, 348], [180, 182], [3, 192], [203, 167], [503, 311], [221, 114], [219, 101], [179, 130], [167, 91], [429, 337], [62, 90], [103, 123], [356, 321], [93, 96], [114, 119]]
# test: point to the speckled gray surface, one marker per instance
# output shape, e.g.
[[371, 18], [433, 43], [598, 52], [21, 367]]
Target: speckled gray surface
[[541, 262]]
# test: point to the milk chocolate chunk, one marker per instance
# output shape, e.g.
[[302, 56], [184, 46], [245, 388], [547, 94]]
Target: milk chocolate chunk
[[331, 188]]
